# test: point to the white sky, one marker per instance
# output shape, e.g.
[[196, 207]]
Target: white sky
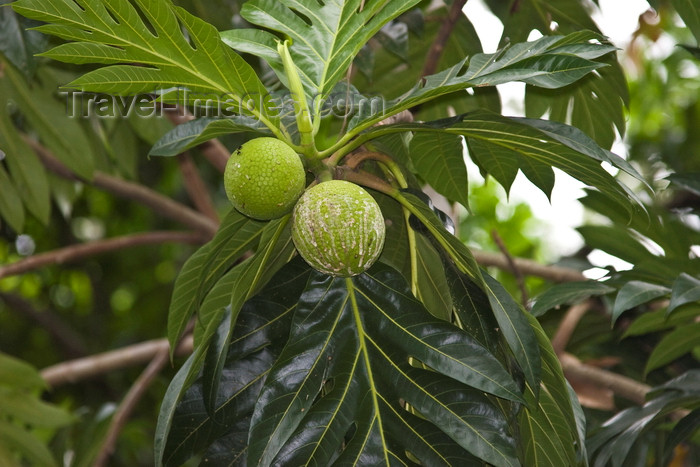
[[617, 20]]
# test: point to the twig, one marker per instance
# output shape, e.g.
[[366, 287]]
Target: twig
[[128, 404], [67, 339], [130, 190], [84, 368], [529, 267], [623, 386], [568, 324], [76, 252], [512, 267], [195, 187], [438, 45]]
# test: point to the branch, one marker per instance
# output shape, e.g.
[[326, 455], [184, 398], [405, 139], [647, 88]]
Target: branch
[[88, 367], [130, 190], [76, 252], [575, 370], [568, 324], [195, 187], [435, 52], [128, 404], [67, 338], [529, 267]]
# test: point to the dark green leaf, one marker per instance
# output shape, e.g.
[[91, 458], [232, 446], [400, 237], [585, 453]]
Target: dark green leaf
[[548, 429], [674, 345], [684, 429], [500, 162], [635, 293], [689, 181], [689, 11], [184, 301], [535, 62], [259, 333], [658, 320], [323, 48], [19, 43], [20, 440], [609, 239], [433, 290], [11, 209], [514, 324], [568, 293], [347, 365], [182, 50], [200, 130], [685, 289], [439, 159]]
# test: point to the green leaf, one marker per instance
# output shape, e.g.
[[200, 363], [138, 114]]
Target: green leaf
[[608, 239], [248, 278], [326, 37], [673, 345], [689, 12], [11, 209], [260, 333], [687, 181], [684, 429], [149, 45], [519, 334], [655, 321], [685, 289], [595, 104], [537, 63], [548, 429], [24, 167], [184, 301], [568, 293], [28, 409], [635, 293], [18, 374], [200, 130], [359, 333], [65, 137], [433, 290], [505, 136], [25, 443], [19, 43], [439, 159], [453, 247]]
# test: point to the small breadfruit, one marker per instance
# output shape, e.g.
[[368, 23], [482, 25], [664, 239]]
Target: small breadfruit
[[264, 178], [338, 228]]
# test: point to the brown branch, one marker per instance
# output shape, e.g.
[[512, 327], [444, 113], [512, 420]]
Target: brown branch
[[436, 48], [88, 367], [77, 252], [568, 324], [575, 370], [130, 190], [195, 187], [128, 404], [514, 269], [529, 267], [65, 337]]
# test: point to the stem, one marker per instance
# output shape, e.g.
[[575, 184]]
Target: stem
[[301, 107], [83, 250]]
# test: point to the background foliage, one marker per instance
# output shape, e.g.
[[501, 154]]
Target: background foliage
[[639, 322]]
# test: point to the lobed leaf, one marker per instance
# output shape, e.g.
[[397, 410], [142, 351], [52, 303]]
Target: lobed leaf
[[338, 383], [568, 293], [149, 45], [635, 293]]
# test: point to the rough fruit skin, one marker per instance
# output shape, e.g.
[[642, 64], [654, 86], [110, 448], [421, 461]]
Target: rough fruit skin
[[338, 228], [264, 178]]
